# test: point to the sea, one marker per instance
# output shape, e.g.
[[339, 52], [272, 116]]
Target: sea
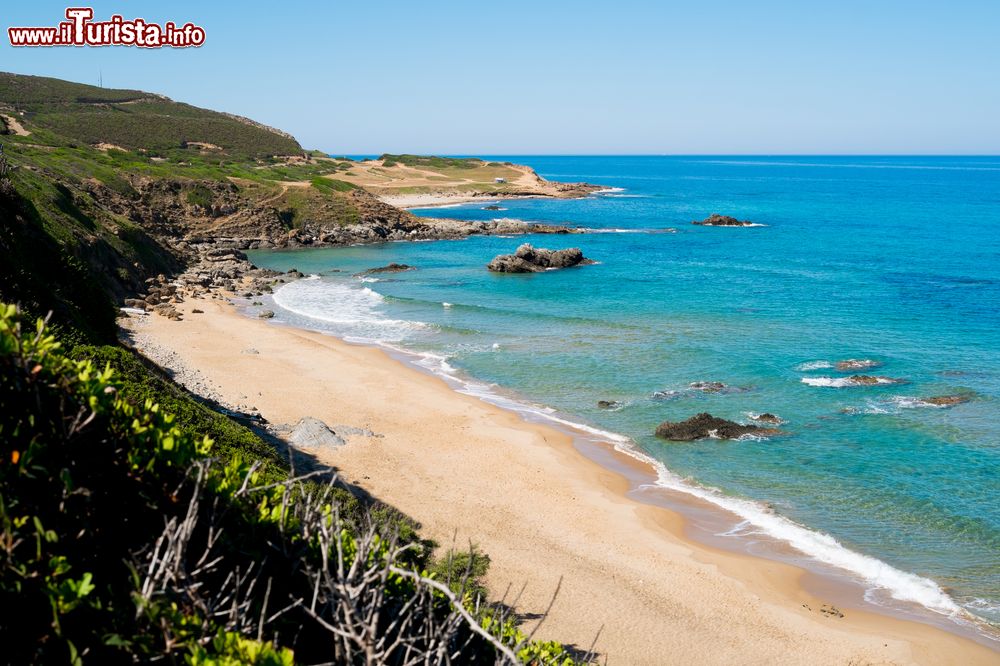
[[892, 260]]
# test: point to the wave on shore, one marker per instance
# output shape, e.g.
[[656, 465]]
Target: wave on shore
[[351, 311]]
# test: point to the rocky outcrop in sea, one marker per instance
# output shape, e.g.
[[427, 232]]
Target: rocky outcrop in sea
[[716, 220], [705, 425], [528, 259]]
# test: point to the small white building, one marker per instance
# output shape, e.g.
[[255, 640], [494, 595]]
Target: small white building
[[499, 180]]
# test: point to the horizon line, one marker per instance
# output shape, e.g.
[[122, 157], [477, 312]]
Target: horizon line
[[519, 154]]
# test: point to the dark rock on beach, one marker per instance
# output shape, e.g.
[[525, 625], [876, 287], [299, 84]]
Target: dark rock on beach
[[391, 268], [705, 425], [716, 220], [266, 314], [528, 259]]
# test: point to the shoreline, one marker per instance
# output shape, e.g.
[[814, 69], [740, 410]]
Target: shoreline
[[449, 199], [432, 200], [711, 524], [731, 606]]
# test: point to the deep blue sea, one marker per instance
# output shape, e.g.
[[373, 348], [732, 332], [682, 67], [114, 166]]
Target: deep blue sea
[[891, 259]]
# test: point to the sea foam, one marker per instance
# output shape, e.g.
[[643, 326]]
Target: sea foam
[[813, 365], [346, 310], [844, 382]]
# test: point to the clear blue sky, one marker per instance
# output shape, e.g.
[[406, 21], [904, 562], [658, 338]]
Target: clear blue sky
[[512, 77]]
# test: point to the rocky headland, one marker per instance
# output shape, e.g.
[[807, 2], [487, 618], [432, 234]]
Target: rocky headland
[[206, 240]]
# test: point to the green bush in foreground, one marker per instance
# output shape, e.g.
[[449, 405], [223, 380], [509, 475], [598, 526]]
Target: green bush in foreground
[[122, 541]]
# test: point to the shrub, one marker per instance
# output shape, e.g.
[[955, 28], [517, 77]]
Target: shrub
[[199, 195], [332, 185], [122, 541]]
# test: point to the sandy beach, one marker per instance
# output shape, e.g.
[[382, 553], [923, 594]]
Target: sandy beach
[[431, 200], [471, 472]]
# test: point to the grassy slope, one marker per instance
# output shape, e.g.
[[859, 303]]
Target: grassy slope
[[131, 118]]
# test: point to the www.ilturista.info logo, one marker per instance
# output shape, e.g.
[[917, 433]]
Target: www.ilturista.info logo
[[81, 30]]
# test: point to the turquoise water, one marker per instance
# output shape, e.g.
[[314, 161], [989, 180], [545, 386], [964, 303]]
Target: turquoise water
[[890, 259]]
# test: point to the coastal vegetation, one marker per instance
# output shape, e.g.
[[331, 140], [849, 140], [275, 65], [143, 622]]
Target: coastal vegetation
[[124, 535], [137, 521], [432, 162]]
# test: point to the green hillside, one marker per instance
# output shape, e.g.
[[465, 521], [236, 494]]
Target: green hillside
[[131, 119]]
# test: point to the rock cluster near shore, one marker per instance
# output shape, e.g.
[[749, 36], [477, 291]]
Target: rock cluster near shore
[[528, 259], [215, 271], [705, 425]]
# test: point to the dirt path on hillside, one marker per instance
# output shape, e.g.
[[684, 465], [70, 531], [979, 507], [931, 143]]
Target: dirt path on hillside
[[15, 126]]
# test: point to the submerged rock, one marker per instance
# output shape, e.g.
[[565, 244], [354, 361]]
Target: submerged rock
[[608, 404], [717, 387], [708, 387], [391, 268], [716, 220], [528, 259], [705, 425], [492, 207], [855, 364], [872, 380], [852, 381], [947, 400], [310, 433]]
